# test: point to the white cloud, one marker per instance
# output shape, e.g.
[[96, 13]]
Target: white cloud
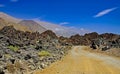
[[104, 12], [64, 23], [2, 5], [14, 0]]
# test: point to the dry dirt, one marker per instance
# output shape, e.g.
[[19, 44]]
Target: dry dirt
[[79, 61]]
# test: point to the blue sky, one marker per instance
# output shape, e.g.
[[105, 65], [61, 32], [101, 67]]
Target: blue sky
[[95, 15]]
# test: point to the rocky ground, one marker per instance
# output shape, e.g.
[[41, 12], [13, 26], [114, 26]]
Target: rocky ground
[[24, 52]]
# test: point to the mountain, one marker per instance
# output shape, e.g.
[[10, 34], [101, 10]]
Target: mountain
[[32, 25], [62, 30], [9, 18], [17, 26], [41, 26]]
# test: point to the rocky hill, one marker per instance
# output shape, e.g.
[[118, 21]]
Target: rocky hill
[[24, 52]]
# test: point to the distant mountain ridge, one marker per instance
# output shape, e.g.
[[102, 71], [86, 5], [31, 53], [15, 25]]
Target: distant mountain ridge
[[9, 18], [62, 30], [41, 26], [32, 25], [17, 26]]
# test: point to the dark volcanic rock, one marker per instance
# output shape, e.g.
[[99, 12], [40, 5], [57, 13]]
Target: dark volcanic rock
[[19, 51], [91, 36], [64, 41], [105, 41], [79, 40], [48, 34], [109, 36]]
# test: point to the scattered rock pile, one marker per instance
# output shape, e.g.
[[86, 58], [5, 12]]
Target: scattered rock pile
[[23, 52], [94, 40], [103, 41], [78, 40], [106, 41], [64, 41]]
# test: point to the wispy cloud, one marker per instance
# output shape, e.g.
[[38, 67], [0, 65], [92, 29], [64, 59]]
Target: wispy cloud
[[104, 12], [14, 0], [2, 5], [64, 23]]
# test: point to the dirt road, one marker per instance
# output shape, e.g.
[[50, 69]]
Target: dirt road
[[79, 61]]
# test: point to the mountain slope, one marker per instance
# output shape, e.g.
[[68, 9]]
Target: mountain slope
[[62, 30], [41, 26], [32, 25], [8, 18], [17, 26]]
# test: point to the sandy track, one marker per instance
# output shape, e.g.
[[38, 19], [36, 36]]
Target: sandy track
[[79, 61]]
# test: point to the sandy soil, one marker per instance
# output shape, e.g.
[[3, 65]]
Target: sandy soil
[[79, 61]]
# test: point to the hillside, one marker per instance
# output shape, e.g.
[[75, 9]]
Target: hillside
[[61, 30], [41, 26], [23, 25], [17, 26], [9, 18], [32, 25]]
